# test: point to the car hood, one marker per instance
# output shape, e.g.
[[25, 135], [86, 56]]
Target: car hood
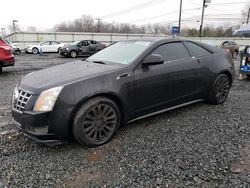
[[60, 75]]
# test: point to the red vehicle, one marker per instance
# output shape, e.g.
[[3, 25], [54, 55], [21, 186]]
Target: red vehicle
[[6, 56]]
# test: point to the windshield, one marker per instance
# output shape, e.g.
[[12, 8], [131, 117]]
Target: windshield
[[75, 43], [121, 52]]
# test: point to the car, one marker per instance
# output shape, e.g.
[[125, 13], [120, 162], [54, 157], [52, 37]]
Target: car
[[89, 100], [232, 47], [81, 48], [15, 47], [47, 46], [7, 57]]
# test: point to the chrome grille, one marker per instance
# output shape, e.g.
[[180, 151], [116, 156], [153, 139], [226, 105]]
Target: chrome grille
[[20, 102]]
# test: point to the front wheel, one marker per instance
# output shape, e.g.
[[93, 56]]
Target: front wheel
[[220, 89], [73, 54], [96, 122], [35, 50]]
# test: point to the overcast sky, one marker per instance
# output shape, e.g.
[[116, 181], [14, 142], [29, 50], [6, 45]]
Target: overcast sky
[[44, 14]]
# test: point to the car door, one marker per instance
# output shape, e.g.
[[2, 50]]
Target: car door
[[83, 48], [45, 46], [164, 85], [54, 46], [93, 47]]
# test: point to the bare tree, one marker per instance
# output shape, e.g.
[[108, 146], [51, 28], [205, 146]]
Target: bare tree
[[31, 29], [244, 13]]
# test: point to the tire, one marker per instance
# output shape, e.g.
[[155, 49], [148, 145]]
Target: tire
[[96, 122], [1, 68], [234, 55], [73, 54], [35, 50], [58, 50], [220, 89]]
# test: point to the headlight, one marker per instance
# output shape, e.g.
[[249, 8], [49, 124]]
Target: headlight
[[67, 49], [47, 99]]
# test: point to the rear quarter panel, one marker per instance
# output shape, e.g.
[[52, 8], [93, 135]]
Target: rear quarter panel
[[212, 66]]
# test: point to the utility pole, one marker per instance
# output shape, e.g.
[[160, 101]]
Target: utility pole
[[14, 25], [98, 24], [3, 31], [202, 15], [180, 16], [248, 15]]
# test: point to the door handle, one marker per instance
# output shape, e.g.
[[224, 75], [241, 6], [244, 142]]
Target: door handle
[[123, 75]]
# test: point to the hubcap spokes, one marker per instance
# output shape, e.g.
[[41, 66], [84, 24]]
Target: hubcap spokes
[[222, 89], [99, 123]]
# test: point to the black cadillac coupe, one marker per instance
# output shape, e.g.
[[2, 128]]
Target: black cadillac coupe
[[89, 100]]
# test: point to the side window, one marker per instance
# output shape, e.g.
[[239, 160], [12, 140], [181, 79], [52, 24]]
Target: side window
[[93, 42], [54, 43], [172, 51], [196, 50]]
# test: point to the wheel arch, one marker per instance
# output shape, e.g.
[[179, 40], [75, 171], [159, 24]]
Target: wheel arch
[[112, 96], [229, 76]]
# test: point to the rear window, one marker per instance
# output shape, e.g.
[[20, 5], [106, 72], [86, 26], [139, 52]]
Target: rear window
[[196, 50]]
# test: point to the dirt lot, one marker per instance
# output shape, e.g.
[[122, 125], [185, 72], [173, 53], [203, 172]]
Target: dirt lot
[[196, 146]]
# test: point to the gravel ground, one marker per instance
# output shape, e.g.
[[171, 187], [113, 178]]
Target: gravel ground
[[196, 146]]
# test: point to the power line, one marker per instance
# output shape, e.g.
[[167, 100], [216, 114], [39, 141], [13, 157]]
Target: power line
[[162, 15], [135, 8], [196, 18], [194, 3], [230, 3], [223, 9]]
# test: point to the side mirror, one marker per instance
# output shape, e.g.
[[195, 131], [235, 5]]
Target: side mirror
[[153, 59]]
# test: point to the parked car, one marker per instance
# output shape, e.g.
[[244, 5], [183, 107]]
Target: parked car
[[81, 48], [232, 47], [89, 100], [15, 47], [47, 46], [6, 56]]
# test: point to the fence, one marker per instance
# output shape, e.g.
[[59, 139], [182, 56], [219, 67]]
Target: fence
[[25, 38]]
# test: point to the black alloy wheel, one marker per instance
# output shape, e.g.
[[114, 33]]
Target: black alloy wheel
[[220, 89], [96, 122]]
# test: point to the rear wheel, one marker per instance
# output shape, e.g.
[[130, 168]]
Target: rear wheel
[[96, 122], [73, 54], [35, 50], [220, 89]]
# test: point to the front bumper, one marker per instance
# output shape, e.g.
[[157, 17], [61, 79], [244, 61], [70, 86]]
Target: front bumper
[[28, 50], [30, 123], [64, 53]]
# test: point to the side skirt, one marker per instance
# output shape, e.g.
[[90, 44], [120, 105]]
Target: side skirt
[[165, 110]]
